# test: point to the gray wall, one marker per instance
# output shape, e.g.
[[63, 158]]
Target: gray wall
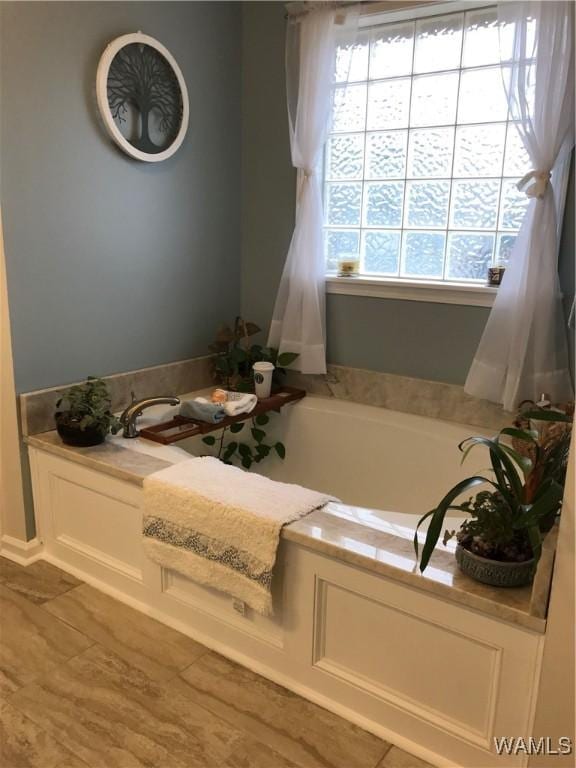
[[268, 179], [432, 341], [114, 264]]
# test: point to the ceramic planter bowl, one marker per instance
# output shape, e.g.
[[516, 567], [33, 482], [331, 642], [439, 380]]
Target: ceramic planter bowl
[[495, 572], [73, 435]]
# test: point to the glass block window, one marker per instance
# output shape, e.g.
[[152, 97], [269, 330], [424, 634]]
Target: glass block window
[[422, 160]]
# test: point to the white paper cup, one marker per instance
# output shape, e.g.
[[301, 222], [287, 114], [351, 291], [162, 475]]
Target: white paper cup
[[262, 379]]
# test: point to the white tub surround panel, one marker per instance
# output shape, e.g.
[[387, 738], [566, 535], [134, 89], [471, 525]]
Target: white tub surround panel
[[89, 525], [445, 676]]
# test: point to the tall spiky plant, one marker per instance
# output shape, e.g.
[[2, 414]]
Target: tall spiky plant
[[530, 488]]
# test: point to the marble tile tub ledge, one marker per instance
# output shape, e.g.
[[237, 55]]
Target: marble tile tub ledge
[[420, 397], [37, 408]]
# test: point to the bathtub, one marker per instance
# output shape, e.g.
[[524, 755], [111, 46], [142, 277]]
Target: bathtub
[[358, 629], [365, 456]]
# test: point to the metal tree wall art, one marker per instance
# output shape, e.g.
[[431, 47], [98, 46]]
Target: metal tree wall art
[[142, 97], [141, 77]]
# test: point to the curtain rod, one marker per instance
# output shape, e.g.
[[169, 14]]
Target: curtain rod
[[296, 10]]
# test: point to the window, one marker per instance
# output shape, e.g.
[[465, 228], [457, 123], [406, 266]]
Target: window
[[422, 161]]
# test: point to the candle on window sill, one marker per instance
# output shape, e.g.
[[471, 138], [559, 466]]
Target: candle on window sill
[[348, 265]]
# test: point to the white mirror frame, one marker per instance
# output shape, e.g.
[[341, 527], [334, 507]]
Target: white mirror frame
[[102, 96]]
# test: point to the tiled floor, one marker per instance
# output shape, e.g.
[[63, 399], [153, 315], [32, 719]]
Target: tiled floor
[[87, 681]]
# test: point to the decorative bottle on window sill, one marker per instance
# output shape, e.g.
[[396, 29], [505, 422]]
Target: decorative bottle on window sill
[[348, 265]]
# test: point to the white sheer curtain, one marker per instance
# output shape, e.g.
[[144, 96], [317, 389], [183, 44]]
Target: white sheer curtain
[[523, 351], [298, 321]]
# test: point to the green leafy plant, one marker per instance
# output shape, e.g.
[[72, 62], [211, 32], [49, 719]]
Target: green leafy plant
[[87, 406], [526, 490], [233, 450], [234, 358], [490, 531]]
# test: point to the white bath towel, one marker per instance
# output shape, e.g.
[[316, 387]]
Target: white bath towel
[[220, 526], [237, 403]]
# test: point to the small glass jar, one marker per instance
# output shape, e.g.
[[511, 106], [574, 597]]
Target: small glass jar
[[348, 265]]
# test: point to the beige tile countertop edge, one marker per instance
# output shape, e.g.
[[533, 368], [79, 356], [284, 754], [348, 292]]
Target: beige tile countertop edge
[[113, 460]]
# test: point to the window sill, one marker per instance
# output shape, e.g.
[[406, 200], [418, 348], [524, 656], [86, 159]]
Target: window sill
[[413, 290]]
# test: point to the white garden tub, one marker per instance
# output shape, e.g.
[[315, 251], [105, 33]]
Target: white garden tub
[[363, 455]]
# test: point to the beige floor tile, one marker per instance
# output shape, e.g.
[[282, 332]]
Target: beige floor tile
[[75, 762], [32, 641], [397, 758], [112, 715], [24, 745], [38, 582], [154, 648], [303, 732]]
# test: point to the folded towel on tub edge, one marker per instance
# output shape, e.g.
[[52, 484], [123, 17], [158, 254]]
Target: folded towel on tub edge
[[220, 525]]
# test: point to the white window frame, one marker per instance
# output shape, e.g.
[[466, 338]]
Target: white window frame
[[464, 293], [431, 291]]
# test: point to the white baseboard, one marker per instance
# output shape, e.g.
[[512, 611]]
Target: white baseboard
[[21, 552]]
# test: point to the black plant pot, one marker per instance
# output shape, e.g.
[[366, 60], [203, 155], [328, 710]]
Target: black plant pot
[[71, 434], [495, 572]]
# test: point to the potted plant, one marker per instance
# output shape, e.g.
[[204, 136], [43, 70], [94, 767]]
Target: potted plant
[[501, 542], [234, 358], [86, 417]]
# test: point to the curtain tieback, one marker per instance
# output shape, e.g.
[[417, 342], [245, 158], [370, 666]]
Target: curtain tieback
[[538, 188], [302, 179]]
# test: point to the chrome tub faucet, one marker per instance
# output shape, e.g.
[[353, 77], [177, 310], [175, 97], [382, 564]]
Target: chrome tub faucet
[[135, 409]]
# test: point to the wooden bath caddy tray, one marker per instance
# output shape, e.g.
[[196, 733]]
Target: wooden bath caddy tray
[[179, 428]]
